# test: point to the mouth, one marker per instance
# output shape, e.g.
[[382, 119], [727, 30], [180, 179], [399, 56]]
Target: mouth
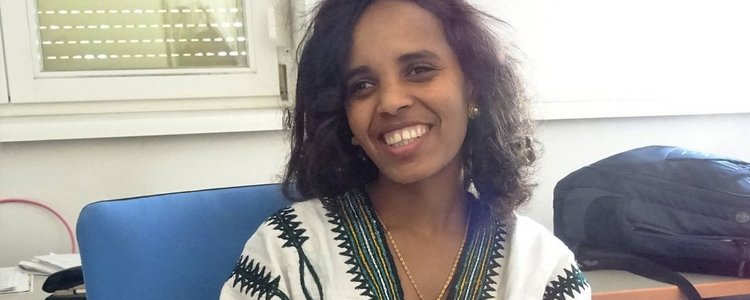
[[404, 136]]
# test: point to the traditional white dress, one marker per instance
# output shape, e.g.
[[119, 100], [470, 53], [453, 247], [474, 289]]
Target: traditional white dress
[[335, 248]]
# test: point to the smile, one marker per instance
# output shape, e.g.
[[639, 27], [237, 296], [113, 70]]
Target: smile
[[404, 136]]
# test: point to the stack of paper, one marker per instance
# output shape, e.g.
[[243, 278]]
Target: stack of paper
[[48, 264], [14, 280]]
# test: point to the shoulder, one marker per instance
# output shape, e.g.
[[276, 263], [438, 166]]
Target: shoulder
[[308, 215], [527, 233], [272, 258], [533, 244], [539, 263]]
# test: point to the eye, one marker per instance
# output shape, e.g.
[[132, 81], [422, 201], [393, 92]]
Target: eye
[[358, 88], [421, 72]]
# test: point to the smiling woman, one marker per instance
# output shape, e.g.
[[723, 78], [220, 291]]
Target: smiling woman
[[410, 152], [406, 79]]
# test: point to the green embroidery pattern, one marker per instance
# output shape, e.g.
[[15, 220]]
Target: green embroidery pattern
[[480, 260], [362, 241], [572, 281], [255, 280], [293, 236]]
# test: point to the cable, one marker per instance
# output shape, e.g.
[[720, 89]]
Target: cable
[[60, 217]]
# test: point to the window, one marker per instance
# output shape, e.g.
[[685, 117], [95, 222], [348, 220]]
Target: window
[[87, 35], [86, 69], [149, 49]]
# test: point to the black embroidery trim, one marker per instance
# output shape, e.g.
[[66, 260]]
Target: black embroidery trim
[[333, 217], [284, 221], [496, 256], [255, 280], [480, 261], [335, 207], [485, 232], [573, 281]]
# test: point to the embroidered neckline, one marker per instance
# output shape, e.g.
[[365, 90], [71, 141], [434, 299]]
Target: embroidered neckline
[[363, 242], [481, 259], [406, 267]]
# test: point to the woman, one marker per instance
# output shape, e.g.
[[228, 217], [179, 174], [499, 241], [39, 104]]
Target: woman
[[405, 111]]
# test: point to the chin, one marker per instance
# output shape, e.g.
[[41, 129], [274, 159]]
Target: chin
[[405, 176]]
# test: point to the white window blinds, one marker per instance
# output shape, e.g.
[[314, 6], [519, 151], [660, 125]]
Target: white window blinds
[[86, 35], [97, 50]]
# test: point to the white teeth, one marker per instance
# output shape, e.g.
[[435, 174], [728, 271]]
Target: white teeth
[[404, 136], [392, 139]]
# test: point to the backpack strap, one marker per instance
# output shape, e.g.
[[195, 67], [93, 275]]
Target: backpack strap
[[596, 259]]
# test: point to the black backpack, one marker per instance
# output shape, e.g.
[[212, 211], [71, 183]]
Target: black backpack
[[656, 210]]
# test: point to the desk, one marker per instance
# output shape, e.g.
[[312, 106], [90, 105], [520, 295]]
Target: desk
[[36, 292], [621, 285], [605, 285]]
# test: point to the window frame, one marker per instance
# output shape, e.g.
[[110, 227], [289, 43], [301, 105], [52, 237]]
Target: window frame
[[26, 84], [4, 98], [197, 113]]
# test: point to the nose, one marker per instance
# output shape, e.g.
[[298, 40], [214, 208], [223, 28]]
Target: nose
[[393, 98]]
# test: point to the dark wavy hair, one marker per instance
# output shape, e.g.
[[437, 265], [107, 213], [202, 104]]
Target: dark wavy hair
[[498, 150]]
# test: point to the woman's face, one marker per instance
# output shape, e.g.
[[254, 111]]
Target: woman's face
[[407, 103]]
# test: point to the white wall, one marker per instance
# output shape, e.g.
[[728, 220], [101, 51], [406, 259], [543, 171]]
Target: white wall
[[69, 174], [627, 53]]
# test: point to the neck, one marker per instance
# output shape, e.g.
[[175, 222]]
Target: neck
[[429, 207]]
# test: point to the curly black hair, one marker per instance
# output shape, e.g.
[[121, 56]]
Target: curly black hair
[[498, 149]]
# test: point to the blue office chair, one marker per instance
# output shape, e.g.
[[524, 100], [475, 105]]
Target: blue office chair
[[172, 246]]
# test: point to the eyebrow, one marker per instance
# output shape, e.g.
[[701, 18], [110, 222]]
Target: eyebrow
[[416, 56], [355, 72]]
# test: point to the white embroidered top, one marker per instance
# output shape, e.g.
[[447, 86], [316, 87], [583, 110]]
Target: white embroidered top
[[335, 248]]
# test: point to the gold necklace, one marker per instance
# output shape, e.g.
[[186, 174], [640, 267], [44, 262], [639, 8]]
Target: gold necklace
[[406, 269]]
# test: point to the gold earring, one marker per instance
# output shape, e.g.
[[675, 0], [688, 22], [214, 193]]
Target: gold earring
[[473, 111], [355, 142]]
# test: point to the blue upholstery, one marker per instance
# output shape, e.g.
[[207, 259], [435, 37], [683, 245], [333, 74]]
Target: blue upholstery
[[172, 246]]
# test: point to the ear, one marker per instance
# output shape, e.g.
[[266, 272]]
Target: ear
[[469, 92]]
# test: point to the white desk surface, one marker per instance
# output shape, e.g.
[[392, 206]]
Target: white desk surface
[[605, 284], [621, 285], [35, 294]]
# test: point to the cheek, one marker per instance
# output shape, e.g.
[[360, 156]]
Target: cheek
[[458, 114], [456, 105], [460, 123], [357, 118]]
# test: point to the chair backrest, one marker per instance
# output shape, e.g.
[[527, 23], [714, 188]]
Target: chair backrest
[[172, 246]]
